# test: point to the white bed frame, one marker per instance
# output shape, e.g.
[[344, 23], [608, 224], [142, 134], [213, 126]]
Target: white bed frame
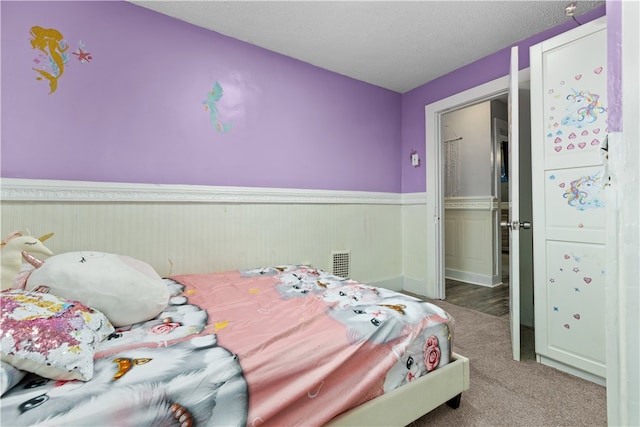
[[411, 401]]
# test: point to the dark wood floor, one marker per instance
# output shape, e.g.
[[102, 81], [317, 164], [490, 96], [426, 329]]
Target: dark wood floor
[[494, 301]]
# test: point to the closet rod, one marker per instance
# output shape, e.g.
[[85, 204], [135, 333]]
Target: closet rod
[[451, 140]]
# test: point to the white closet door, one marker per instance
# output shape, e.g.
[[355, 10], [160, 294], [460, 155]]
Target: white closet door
[[569, 126]]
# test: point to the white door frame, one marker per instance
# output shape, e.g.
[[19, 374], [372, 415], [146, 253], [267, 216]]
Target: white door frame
[[435, 183]]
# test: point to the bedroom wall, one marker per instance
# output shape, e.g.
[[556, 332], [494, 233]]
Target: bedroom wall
[[139, 110], [199, 237], [135, 113]]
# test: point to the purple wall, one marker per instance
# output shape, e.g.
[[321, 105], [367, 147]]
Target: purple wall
[[135, 113], [482, 71]]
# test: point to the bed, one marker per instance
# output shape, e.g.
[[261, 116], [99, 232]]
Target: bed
[[279, 345]]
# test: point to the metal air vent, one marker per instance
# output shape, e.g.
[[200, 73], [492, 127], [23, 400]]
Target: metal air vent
[[340, 260]]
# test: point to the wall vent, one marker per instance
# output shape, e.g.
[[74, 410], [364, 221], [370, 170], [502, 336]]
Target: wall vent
[[340, 260]]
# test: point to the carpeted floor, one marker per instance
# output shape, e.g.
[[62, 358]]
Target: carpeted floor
[[504, 392]]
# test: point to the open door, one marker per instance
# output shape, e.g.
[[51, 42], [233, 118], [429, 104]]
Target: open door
[[514, 206], [435, 283]]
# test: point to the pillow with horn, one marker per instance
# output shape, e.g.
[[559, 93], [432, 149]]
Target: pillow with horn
[[15, 247], [125, 289]]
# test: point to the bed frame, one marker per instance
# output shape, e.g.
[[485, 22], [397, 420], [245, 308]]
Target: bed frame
[[411, 401]]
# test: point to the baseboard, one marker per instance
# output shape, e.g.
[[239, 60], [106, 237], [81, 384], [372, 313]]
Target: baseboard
[[473, 278], [414, 286], [394, 284]]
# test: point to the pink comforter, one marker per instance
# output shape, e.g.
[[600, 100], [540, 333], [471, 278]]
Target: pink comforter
[[312, 345], [285, 345]]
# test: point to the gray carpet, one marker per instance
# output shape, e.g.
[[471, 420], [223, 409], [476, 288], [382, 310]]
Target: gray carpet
[[504, 392]]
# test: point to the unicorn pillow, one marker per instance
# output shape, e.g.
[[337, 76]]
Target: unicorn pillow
[[16, 246], [125, 289]]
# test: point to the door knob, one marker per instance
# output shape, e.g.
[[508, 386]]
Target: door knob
[[516, 225]]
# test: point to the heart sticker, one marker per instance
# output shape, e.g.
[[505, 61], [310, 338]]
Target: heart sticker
[[582, 144], [566, 326], [558, 140], [587, 280], [595, 142], [585, 132], [576, 316], [598, 70], [572, 136], [596, 131], [578, 76], [566, 256], [561, 185], [557, 148], [570, 147]]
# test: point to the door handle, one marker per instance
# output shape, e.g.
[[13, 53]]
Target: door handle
[[516, 225]]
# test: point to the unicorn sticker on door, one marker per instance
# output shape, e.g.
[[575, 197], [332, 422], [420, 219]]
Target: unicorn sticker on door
[[577, 117], [584, 108]]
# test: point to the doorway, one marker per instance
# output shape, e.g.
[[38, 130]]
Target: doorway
[[435, 188], [476, 199]]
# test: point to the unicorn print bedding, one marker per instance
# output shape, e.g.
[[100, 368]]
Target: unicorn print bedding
[[284, 345]]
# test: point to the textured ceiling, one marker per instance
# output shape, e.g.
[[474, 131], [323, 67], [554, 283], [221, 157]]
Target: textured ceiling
[[398, 45]]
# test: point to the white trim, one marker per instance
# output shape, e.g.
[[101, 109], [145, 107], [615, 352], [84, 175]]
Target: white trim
[[481, 203], [86, 191], [414, 198], [473, 278], [394, 283], [623, 271], [412, 285]]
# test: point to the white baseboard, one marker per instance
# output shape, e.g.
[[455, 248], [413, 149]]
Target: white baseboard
[[394, 284], [474, 278], [415, 286]]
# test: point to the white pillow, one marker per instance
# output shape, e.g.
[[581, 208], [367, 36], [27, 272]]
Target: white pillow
[[125, 289], [50, 336]]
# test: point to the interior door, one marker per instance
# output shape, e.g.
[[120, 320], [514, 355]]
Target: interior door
[[570, 124], [514, 205]]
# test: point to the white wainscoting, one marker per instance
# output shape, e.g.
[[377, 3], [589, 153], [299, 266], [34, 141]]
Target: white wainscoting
[[196, 229], [471, 249], [414, 245]]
